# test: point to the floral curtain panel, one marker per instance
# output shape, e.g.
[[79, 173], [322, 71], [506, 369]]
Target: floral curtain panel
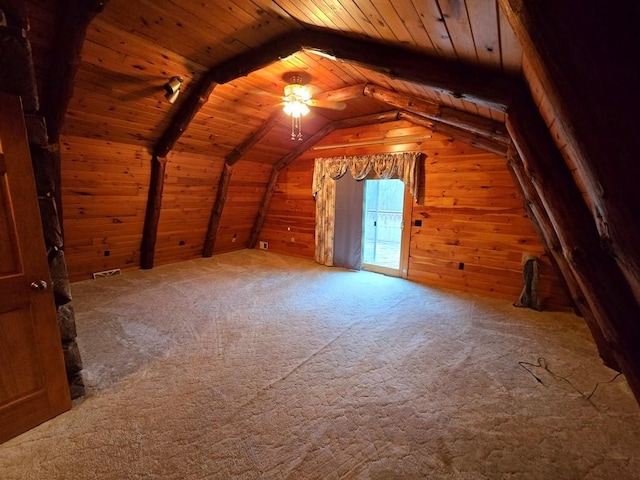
[[326, 170]]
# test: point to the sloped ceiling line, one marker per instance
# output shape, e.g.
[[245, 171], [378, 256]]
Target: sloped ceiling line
[[542, 222], [472, 83], [483, 127], [611, 301]]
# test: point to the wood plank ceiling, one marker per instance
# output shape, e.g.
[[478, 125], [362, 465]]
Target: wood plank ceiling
[[133, 48]]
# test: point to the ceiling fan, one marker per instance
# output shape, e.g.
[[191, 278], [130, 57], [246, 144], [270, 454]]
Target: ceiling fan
[[298, 97]]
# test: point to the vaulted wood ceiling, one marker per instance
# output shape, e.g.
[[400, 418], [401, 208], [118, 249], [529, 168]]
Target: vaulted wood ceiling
[[132, 49]]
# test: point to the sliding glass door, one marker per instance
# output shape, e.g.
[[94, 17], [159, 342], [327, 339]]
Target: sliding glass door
[[383, 227]]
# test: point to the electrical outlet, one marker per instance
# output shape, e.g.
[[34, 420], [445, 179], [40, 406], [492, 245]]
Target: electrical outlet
[[293, 239], [264, 245]]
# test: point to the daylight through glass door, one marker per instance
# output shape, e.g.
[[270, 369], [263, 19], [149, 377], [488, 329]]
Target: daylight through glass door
[[382, 224]]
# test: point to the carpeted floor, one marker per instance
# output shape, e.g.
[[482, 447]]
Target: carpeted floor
[[254, 365]]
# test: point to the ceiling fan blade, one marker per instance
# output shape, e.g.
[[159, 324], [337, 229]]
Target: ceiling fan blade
[[327, 104], [264, 93]]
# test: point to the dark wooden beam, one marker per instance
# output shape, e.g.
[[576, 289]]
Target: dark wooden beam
[[581, 57], [264, 208], [216, 212], [473, 83], [596, 271], [474, 124], [456, 133], [71, 29], [478, 85], [181, 120], [225, 179], [277, 168], [238, 152], [478, 126], [152, 215], [547, 234]]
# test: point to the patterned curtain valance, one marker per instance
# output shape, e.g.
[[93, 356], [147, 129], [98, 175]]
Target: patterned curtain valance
[[386, 165]]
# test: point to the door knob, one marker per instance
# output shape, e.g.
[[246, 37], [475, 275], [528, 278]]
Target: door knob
[[39, 285]]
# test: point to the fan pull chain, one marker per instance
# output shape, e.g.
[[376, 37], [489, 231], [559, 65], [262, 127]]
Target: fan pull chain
[[296, 128]]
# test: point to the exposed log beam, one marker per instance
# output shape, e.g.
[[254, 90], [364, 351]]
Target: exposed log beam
[[152, 215], [474, 124], [473, 83], [216, 212], [546, 233], [606, 290], [478, 85], [456, 133], [181, 120], [275, 171], [264, 208], [71, 30], [223, 186], [405, 102], [254, 138], [581, 58]]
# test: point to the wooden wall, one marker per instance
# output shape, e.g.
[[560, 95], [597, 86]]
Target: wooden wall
[[104, 193], [290, 224], [470, 213], [190, 187], [473, 236], [104, 196], [246, 191]]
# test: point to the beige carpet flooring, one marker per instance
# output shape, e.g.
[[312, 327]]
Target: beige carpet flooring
[[253, 365]]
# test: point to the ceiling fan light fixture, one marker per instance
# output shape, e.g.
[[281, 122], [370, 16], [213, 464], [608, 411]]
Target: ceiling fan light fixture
[[296, 97]]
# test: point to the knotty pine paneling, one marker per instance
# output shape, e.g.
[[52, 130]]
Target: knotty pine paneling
[[474, 229], [470, 211], [289, 227], [190, 189], [104, 197], [244, 198]]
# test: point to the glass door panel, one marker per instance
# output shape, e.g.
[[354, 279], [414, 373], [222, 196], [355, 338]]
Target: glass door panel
[[383, 225]]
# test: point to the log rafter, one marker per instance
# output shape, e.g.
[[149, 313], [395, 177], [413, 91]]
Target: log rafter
[[474, 124], [544, 227], [574, 71], [606, 290], [67, 48], [225, 179]]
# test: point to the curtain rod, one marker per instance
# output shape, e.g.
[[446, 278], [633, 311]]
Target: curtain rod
[[383, 141]]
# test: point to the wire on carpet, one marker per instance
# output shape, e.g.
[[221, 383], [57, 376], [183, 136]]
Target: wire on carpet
[[542, 363]]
